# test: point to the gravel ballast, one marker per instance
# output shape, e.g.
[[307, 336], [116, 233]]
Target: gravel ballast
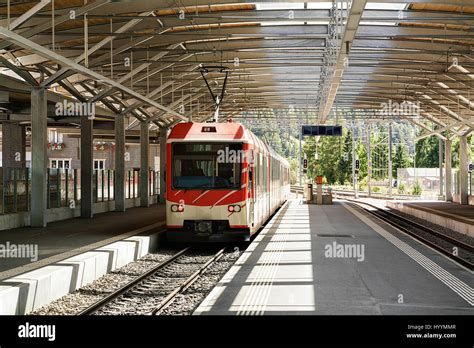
[[145, 296]]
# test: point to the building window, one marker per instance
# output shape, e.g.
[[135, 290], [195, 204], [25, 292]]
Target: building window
[[99, 164], [54, 136], [59, 163]]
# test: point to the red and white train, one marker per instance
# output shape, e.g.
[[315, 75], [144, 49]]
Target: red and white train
[[222, 182]]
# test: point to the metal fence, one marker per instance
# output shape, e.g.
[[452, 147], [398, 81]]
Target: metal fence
[[64, 187], [154, 183], [14, 190], [103, 187]]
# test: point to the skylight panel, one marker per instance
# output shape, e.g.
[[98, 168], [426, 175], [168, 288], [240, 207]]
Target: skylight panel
[[279, 6], [275, 23], [320, 22], [385, 6], [8, 72], [319, 5], [385, 23]]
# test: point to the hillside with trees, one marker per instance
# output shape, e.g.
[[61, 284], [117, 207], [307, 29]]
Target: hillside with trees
[[331, 157]]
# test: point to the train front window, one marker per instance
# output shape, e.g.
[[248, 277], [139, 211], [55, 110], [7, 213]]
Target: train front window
[[207, 165]]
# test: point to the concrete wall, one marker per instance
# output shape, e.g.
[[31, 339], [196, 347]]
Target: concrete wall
[[15, 220], [13, 144], [29, 291], [454, 225]]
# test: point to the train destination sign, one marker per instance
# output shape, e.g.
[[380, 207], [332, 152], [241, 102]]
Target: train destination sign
[[321, 130]]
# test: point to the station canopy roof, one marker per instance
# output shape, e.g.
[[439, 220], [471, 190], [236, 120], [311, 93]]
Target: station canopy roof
[[145, 58]]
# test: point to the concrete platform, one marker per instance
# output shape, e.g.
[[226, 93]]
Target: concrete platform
[[67, 238], [75, 255], [454, 216], [288, 269]]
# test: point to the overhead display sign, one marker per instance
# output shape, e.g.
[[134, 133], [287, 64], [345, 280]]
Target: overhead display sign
[[321, 130]]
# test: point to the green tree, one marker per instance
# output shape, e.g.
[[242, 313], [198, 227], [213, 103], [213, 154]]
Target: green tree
[[427, 155], [455, 152], [310, 149], [361, 151], [401, 159], [293, 170], [327, 149], [344, 165], [328, 158]]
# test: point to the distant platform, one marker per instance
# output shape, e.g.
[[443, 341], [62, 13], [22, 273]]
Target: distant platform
[[337, 260], [454, 216]]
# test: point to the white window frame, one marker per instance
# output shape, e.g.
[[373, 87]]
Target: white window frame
[[63, 160], [99, 160]]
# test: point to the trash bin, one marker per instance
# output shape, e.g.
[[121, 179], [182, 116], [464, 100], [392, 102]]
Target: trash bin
[[309, 196]]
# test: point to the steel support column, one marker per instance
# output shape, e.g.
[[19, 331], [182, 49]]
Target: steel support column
[[87, 169], [163, 135], [440, 160], [390, 175], [119, 163], [463, 170], [354, 173], [369, 163], [448, 170], [39, 157], [144, 167], [300, 156]]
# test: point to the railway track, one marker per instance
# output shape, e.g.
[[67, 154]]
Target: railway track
[[455, 249], [153, 291]]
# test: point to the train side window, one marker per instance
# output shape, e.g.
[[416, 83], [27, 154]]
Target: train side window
[[265, 175], [257, 175]]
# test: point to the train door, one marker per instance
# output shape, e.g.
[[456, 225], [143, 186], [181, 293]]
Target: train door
[[251, 189]]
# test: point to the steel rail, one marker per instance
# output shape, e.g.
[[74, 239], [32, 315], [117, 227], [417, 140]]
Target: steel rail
[[187, 283], [390, 217], [440, 235], [109, 298]]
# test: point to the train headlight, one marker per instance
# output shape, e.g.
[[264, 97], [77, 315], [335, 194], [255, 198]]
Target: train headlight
[[177, 208], [234, 208]]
